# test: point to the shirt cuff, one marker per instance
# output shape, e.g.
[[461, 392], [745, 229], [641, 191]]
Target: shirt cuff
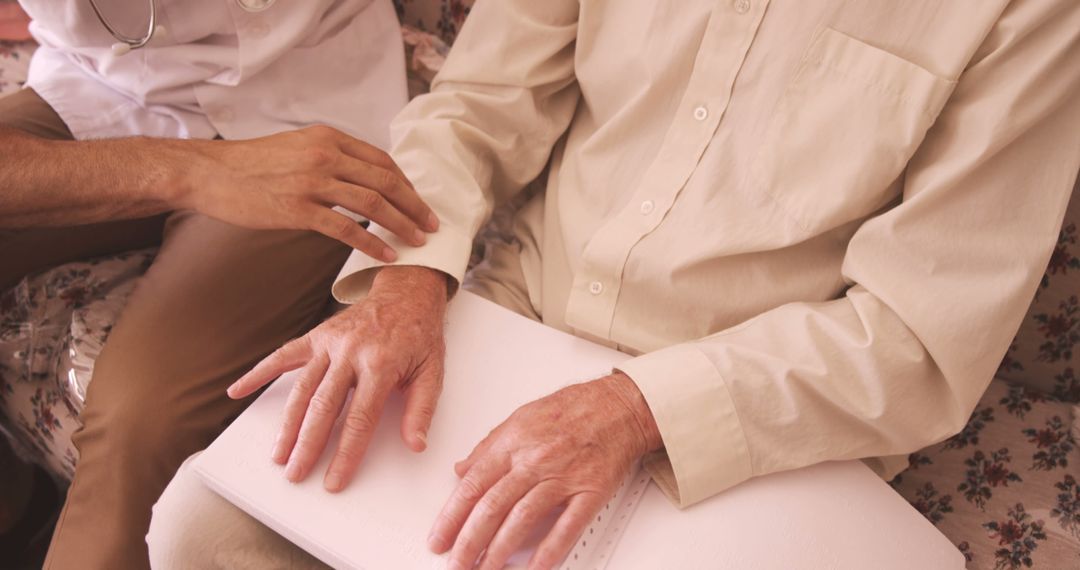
[[706, 449], [446, 250]]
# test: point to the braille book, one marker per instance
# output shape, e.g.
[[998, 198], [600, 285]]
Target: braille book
[[836, 515]]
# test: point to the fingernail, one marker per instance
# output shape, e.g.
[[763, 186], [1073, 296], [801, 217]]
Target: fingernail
[[279, 451], [435, 543], [419, 237], [423, 439], [292, 472], [333, 482], [433, 221], [389, 255], [230, 390]]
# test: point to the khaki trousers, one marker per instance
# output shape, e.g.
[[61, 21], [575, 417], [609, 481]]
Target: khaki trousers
[[216, 299]]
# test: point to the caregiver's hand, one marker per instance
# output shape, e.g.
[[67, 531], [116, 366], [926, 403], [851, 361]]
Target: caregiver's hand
[[391, 340], [571, 448], [292, 180]]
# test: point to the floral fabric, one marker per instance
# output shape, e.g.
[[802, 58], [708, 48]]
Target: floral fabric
[[52, 328], [1005, 489], [14, 62], [442, 18], [1045, 355]]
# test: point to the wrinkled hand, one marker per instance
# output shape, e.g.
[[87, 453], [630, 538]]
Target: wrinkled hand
[[292, 180], [391, 340], [572, 448]]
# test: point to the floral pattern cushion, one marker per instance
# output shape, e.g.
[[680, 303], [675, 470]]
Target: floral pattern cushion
[[52, 327], [1044, 355], [14, 62], [1006, 489], [442, 18]]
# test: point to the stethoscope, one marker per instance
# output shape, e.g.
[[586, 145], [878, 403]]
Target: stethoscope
[[125, 44]]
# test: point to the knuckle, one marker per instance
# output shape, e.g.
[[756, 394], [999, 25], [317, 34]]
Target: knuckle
[[322, 131], [343, 226], [490, 504], [320, 406], [471, 490], [425, 411], [377, 359], [370, 201], [525, 511], [387, 180], [359, 423], [318, 156]]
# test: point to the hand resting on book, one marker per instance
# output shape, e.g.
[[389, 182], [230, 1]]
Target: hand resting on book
[[393, 339], [572, 448]]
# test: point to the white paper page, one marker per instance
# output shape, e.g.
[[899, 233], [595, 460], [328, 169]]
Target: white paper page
[[832, 516], [496, 361]]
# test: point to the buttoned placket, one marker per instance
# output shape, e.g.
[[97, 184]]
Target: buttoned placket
[[594, 294]]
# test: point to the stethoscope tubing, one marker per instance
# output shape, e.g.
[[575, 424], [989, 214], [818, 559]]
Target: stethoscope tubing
[[132, 43]]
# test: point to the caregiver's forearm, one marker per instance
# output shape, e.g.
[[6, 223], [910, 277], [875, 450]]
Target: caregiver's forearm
[[53, 183]]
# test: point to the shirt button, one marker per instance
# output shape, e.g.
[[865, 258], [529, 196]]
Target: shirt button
[[596, 287], [701, 113], [647, 207], [255, 5], [742, 6]]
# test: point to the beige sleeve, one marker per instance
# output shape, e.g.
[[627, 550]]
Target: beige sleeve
[[504, 97], [938, 287]]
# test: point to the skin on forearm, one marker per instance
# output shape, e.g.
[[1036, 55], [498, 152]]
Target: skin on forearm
[[413, 277], [57, 183]]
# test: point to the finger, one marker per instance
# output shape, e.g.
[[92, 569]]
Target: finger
[[421, 398], [356, 432], [296, 407], [375, 207], [519, 524], [462, 467], [391, 184], [369, 153], [567, 530], [289, 357], [322, 412], [468, 492], [485, 519], [344, 229]]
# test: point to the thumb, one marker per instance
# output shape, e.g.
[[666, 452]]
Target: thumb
[[421, 397]]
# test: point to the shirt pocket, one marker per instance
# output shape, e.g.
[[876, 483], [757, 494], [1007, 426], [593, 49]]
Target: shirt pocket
[[844, 130]]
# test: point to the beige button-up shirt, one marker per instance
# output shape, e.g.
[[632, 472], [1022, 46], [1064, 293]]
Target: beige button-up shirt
[[817, 225]]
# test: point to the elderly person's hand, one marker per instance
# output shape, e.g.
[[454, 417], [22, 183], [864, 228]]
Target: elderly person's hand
[[393, 339], [572, 448]]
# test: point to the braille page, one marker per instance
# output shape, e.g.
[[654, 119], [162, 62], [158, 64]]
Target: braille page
[[496, 361], [830, 516]]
